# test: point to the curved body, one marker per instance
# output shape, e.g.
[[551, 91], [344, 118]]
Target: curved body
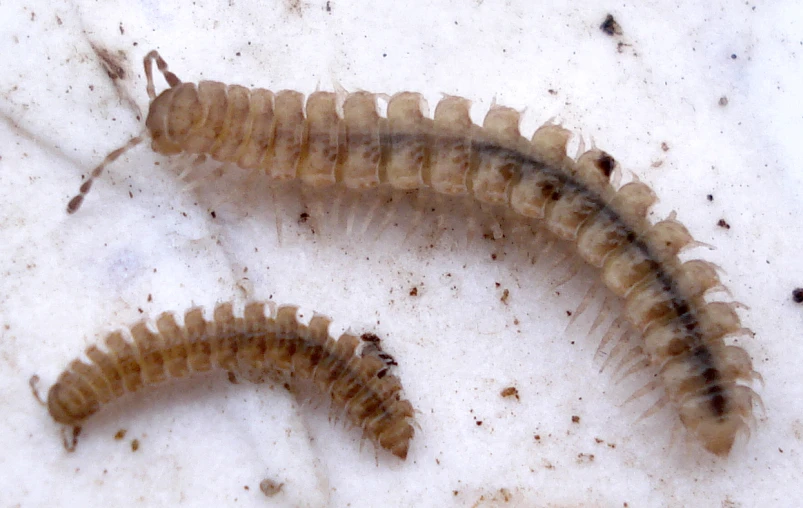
[[263, 343]]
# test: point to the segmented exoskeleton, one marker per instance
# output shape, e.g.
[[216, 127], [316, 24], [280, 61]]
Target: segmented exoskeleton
[[280, 135], [264, 342]]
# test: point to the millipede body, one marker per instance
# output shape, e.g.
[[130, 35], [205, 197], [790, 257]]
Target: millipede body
[[265, 342], [288, 138]]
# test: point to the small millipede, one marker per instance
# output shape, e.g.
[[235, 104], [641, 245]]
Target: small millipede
[[682, 334], [265, 342]]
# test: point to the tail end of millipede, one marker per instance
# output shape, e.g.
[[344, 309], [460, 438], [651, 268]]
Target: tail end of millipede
[[78, 199]]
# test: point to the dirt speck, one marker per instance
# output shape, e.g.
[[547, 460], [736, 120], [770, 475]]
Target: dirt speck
[[610, 26], [270, 487], [510, 391]]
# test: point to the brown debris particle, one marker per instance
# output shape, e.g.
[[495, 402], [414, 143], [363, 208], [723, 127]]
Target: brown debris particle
[[575, 419], [505, 296], [610, 26], [119, 435], [510, 391], [414, 291], [723, 224], [797, 295], [112, 62], [664, 147], [585, 457], [269, 487], [134, 445]]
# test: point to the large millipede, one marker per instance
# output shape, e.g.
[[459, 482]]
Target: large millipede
[[265, 342], [683, 335]]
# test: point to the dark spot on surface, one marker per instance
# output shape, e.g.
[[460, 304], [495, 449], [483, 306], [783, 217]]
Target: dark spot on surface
[[122, 30], [631, 237], [721, 223], [703, 355], [112, 62], [797, 295], [232, 378], [710, 374], [134, 445], [733, 56], [119, 435], [328, 6], [605, 164], [710, 197], [370, 337], [479, 423], [723, 101], [269, 487], [610, 26], [303, 218], [717, 400], [664, 147], [510, 391], [555, 196], [213, 214], [575, 419], [414, 291], [552, 91], [505, 296]]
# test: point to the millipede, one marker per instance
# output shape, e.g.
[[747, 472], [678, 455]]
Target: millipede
[[325, 142], [265, 342]]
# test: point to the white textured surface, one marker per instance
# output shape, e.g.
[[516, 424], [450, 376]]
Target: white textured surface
[[66, 280]]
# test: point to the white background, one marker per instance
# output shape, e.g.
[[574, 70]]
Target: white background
[[66, 280]]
